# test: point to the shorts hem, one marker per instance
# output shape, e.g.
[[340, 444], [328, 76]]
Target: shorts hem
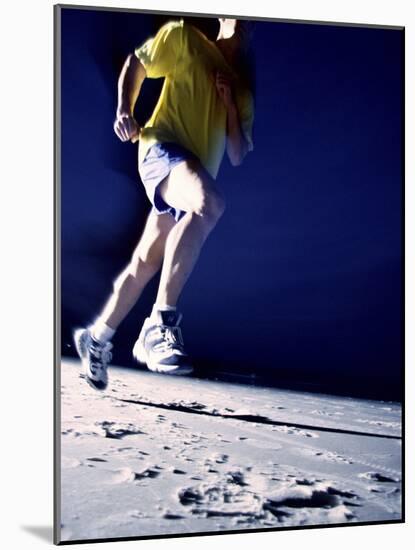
[[155, 167]]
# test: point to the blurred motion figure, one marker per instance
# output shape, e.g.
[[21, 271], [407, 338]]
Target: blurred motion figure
[[206, 108]]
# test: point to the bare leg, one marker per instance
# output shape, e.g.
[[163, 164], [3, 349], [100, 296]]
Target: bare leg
[[145, 263], [190, 188]]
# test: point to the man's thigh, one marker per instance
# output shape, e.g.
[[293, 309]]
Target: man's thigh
[[187, 186]]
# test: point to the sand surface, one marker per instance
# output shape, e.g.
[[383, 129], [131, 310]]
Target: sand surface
[[157, 454]]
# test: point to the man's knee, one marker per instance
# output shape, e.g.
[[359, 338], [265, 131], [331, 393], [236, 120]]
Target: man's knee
[[211, 206]]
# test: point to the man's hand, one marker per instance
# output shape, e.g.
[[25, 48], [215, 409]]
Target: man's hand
[[236, 143], [126, 128], [224, 88]]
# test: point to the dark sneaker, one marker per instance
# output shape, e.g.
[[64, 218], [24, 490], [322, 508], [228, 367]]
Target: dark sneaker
[[95, 358], [160, 345]]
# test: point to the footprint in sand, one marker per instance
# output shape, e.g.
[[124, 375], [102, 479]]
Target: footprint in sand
[[122, 449], [172, 515], [220, 458], [67, 462], [326, 455], [293, 431], [376, 476], [127, 475], [117, 430], [137, 514]]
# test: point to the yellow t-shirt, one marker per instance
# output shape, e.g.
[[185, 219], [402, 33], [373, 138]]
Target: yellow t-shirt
[[189, 110]]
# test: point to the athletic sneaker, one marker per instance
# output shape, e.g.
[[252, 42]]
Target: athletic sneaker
[[95, 358], [160, 344]]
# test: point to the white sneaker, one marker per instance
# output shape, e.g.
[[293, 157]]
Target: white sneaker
[[160, 345], [95, 358]]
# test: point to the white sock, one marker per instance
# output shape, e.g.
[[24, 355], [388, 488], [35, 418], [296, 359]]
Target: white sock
[[101, 331]]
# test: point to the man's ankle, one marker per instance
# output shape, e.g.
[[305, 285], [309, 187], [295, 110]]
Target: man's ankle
[[160, 307], [101, 332]]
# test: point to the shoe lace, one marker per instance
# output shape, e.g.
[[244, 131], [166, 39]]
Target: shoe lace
[[172, 338], [101, 355]]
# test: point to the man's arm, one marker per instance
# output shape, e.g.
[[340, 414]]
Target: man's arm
[[129, 84], [236, 145]]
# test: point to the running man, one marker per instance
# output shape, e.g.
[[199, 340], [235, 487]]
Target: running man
[[205, 108]]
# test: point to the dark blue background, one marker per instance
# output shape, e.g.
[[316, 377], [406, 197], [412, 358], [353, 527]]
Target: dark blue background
[[300, 283]]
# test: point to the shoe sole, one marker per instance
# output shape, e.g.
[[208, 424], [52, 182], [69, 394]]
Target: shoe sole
[[140, 355], [81, 350], [77, 337], [93, 384]]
